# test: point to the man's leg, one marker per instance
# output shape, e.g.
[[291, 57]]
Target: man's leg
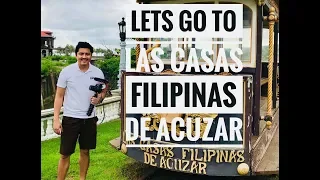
[[63, 167], [87, 141], [84, 163], [69, 136]]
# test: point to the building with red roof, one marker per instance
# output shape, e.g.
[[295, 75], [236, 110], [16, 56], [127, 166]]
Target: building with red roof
[[47, 43]]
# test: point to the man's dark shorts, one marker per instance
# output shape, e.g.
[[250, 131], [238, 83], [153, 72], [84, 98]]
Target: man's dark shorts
[[74, 129]]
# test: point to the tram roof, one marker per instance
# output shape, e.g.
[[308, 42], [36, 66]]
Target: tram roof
[[269, 3]]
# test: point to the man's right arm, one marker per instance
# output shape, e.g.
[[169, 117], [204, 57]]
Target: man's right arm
[[58, 102], [61, 88]]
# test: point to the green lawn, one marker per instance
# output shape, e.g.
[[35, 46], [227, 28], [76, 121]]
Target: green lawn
[[106, 162]]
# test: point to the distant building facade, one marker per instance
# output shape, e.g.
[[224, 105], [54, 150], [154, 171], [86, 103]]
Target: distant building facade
[[47, 43]]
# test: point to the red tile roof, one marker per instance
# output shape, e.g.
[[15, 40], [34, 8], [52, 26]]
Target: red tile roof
[[46, 34]]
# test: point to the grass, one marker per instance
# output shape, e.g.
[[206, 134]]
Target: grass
[[105, 161]]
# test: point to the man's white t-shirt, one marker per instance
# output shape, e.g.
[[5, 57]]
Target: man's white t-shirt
[[77, 98]]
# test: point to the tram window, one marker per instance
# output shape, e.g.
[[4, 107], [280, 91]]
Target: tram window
[[265, 45], [246, 40], [189, 43], [167, 48], [201, 46], [192, 43]]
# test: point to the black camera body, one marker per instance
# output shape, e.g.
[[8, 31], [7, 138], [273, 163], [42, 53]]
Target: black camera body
[[97, 89]]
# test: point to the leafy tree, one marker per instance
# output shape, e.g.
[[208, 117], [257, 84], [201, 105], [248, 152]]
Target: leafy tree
[[108, 54], [117, 50], [69, 49], [99, 51], [110, 68], [60, 50]]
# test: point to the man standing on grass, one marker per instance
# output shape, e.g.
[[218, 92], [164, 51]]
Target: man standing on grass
[[74, 94]]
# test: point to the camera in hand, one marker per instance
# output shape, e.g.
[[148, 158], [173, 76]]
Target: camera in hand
[[97, 89]]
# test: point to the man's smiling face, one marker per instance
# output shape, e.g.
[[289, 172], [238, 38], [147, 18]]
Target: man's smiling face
[[84, 56]]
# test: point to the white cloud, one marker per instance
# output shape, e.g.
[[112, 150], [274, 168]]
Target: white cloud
[[94, 21], [72, 21]]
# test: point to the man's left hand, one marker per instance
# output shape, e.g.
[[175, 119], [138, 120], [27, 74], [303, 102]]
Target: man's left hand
[[95, 100]]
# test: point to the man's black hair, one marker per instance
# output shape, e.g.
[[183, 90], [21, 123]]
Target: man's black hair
[[83, 45]]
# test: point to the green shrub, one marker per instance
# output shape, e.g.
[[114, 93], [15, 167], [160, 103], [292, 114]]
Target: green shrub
[[71, 59], [48, 66], [110, 68]]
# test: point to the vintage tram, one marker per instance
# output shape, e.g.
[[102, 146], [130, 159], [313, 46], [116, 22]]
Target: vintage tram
[[259, 153]]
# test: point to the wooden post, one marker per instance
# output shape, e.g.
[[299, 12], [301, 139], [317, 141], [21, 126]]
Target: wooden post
[[257, 76], [275, 65], [53, 85], [271, 18]]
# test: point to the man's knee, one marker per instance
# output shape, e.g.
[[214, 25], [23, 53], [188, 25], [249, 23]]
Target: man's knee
[[84, 152], [65, 157]]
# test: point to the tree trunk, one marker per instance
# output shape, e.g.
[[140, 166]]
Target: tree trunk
[[53, 85]]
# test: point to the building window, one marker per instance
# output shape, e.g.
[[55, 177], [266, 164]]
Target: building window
[[44, 53]]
